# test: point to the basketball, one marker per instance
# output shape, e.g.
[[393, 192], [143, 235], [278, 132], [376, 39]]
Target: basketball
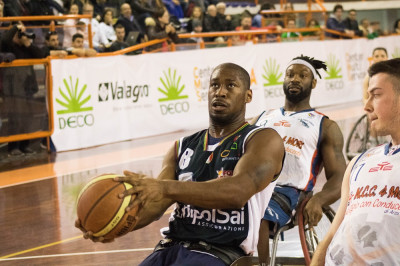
[[101, 211]]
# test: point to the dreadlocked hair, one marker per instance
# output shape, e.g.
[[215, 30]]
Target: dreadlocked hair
[[317, 64]]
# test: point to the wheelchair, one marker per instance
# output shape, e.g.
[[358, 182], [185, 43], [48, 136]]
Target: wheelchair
[[309, 236], [360, 140]]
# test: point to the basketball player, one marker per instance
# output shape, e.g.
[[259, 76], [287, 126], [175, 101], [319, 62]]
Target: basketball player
[[218, 179], [312, 141], [366, 228]]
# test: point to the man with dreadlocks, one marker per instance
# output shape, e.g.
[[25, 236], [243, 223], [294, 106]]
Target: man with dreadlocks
[[311, 141]]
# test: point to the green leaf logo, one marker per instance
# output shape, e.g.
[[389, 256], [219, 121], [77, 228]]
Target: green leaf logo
[[271, 73], [396, 53], [72, 98], [333, 68], [172, 89]]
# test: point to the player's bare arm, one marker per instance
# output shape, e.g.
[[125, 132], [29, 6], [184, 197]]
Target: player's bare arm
[[261, 161], [319, 256], [335, 165]]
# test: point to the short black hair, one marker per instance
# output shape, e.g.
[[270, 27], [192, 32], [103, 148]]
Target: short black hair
[[380, 49], [243, 74], [317, 64], [390, 67], [336, 7], [49, 34], [76, 36]]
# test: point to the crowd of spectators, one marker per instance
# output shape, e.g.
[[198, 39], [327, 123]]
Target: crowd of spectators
[[143, 18]]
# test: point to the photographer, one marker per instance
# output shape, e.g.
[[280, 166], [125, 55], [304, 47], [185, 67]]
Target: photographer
[[162, 28], [19, 85]]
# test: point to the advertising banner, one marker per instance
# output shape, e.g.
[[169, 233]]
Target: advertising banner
[[109, 99]]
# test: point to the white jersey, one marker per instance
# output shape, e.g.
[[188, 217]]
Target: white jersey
[[301, 134], [370, 231]]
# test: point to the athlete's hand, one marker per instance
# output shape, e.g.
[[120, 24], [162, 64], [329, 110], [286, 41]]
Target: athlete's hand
[[146, 188], [89, 234], [312, 212]]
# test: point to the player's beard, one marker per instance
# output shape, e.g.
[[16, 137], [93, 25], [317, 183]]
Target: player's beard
[[304, 93]]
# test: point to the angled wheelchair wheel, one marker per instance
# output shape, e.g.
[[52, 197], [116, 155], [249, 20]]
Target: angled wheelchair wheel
[[358, 138], [310, 237]]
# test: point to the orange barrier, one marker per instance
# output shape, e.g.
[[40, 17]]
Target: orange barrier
[[37, 134], [52, 25]]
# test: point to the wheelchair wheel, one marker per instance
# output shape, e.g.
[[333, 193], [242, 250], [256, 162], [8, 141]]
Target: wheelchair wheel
[[358, 138], [310, 237]]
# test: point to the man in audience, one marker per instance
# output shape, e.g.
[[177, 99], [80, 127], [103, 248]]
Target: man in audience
[[225, 21], [119, 43], [350, 23], [19, 86], [335, 22], [99, 40], [127, 20], [78, 48], [52, 47]]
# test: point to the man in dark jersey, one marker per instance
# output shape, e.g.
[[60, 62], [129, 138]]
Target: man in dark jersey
[[230, 165]]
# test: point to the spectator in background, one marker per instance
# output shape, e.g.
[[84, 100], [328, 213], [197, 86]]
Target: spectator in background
[[42, 8], [350, 23], [52, 47], [289, 16], [396, 28], [78, 48], [364, 27], [225, 21], [197, 14], [197, 28], [127, 20], [291, 24], [376, 30], [70, 25], [312, 23], [174, 8], [99, 7], [335, 22], [272, 21], [106, 26], [142, 9], [119, 43], [99, 39], [211, 23], [161, 28], [19, 86], [80, 4], [15, 8], [245, 24]]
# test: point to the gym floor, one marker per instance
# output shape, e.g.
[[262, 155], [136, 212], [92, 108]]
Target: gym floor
[[38, 196]]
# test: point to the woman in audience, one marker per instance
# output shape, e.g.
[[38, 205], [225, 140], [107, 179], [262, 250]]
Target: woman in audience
[[106, 25], [197, 14], [70, 26]]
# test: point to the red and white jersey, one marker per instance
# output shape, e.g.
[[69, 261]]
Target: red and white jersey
[[370, 231], [301, 134]]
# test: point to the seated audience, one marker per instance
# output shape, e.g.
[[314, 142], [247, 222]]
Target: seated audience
[[350, 23], [335, 22], [70, 25], [197, 14], [291, 24], [225, 21], [364, 27], [106, 25], [99, 39], [78, 48], [119, 43], [52, 45], [161, 28], [127, 20]]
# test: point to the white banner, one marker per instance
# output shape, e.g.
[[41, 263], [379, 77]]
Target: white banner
[[109, 99]]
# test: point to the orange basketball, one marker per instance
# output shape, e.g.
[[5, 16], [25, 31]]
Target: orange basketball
[[101, 211]]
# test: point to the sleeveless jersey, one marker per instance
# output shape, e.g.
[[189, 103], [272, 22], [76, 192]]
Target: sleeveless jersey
[[301, 134], [370, 231], [198, 162]]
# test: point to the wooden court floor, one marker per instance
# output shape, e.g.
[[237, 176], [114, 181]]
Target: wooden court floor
[[37, 201]]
